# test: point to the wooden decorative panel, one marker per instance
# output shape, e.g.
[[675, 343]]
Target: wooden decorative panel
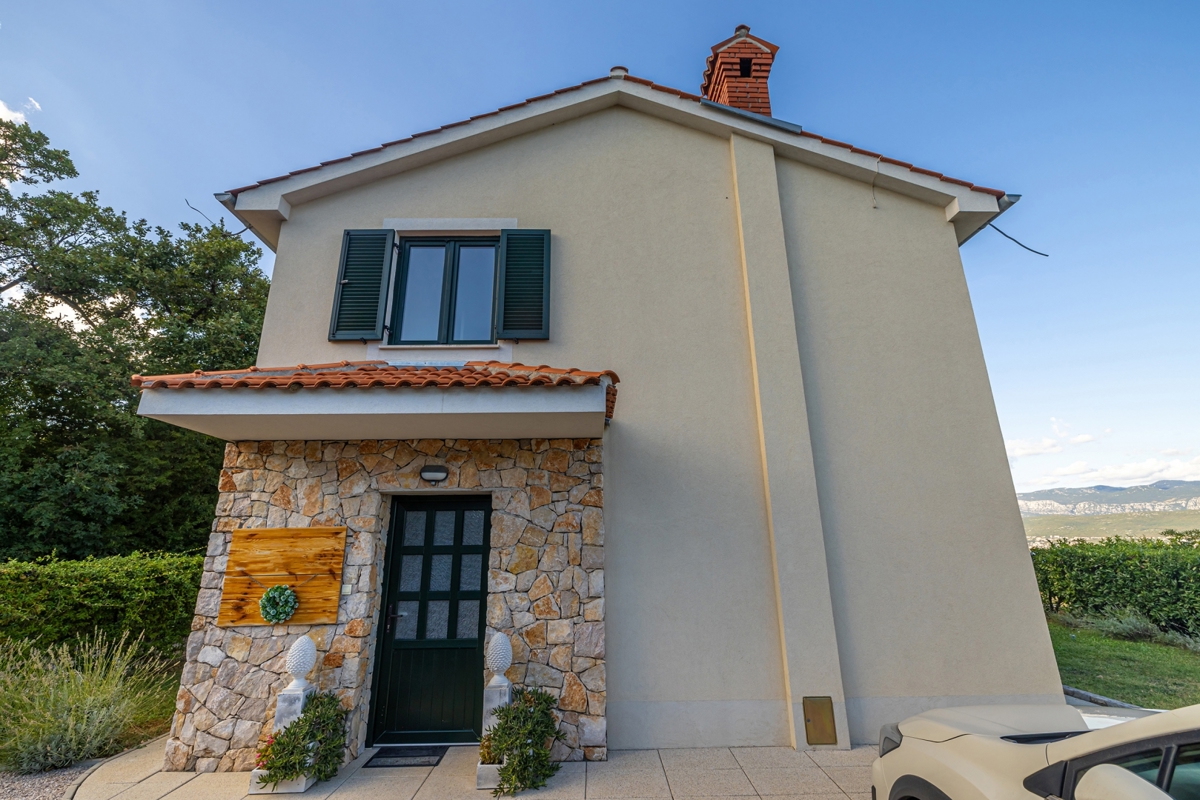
[[307, 559]]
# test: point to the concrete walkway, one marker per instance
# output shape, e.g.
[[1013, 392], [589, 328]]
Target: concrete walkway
[[772, 772]]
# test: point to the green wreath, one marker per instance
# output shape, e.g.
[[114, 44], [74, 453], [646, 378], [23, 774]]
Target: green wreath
[[278, 604]]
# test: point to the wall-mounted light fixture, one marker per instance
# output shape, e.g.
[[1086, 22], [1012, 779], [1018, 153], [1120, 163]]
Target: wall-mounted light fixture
[[434, 473]]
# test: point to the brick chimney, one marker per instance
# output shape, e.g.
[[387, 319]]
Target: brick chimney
[[736, 73]]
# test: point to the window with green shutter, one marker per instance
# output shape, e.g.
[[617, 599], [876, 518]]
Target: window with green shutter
[[461, 290], [362, 281]]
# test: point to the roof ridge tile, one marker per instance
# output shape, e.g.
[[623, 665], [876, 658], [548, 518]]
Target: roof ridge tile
[[641, 81]]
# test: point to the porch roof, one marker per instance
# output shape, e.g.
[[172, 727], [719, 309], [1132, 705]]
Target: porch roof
[[377, 400]]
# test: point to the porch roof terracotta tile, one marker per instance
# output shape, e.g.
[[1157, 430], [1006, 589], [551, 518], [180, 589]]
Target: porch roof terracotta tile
[[370, 374]]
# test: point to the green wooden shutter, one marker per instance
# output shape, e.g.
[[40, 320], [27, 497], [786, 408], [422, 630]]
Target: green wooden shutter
[[524, 306], [362, 283]]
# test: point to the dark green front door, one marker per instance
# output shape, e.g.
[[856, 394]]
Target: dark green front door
[[429, 665]]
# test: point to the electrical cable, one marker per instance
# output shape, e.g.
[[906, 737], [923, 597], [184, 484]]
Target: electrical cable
[[1027, 247]]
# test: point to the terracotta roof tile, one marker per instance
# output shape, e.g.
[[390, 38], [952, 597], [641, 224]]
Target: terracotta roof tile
[[370, 374], [642, 81]]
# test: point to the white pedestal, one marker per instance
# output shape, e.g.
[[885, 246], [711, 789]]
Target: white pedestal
[[498, 692], [293, 786], [289, 705]]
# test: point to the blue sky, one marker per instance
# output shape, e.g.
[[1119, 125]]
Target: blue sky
[[1090, 110]]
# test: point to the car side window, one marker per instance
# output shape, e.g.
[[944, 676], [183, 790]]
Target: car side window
[[1184, 782], [1144, 764]]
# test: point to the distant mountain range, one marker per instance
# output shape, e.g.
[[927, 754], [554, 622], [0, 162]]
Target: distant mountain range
[[1092, 500]]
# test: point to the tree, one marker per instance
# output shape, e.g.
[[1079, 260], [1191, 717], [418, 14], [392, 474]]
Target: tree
[[94, 299]]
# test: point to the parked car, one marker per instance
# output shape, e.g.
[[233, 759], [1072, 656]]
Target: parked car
[[1049, 751]]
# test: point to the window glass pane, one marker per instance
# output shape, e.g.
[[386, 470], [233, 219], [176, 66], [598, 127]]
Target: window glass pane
[[473, 295], [423, 294], [439, 574], [437, 619], [414, 529], [472, 572], [1185, 780], [410, 573], [406, 621], [443, 528], [473, 528], [468, 619]]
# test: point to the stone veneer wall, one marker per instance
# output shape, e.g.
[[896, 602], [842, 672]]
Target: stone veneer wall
[[545, 582]]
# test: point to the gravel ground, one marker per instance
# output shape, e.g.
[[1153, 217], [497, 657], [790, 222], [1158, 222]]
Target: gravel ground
[[42, 786]]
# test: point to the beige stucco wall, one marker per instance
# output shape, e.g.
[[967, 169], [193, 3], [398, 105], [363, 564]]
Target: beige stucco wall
[[934, 593], [926, 557], [645, 282]]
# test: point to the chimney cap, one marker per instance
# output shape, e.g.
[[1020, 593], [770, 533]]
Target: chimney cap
[[618, 72], [741, 30]]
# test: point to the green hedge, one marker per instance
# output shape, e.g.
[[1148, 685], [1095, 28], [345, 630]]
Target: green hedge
[[1160, 579], [53, 601]]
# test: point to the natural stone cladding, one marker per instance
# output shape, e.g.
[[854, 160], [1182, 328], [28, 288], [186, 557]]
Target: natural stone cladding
[[545, 582]]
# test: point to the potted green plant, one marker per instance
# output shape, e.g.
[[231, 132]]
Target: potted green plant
[[306, 751], [519, 743]]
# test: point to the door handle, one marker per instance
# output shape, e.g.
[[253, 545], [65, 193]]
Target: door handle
[[392, 615]]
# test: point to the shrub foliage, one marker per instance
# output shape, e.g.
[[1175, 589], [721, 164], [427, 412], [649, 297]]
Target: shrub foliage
[[70, 702], [51, 601], [1159, 580], [525, 731]]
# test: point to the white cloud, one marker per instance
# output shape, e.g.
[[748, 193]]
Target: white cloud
[[1131, 474], [10, 115], [33, 105], [1018, 448], [1174, 452]]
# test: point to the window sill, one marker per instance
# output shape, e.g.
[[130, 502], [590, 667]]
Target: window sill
[[493, 345], [440, 354]]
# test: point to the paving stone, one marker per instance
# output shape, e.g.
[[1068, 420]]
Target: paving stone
[[851, 779], [859, 756], [770, 757], [630, 760], [157, 785], [213, 786], [690, 782], [606, 782], [791, 780], [698, 758]]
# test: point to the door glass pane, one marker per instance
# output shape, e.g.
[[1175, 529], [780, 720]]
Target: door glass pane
[[406, 621], [422, 309], [410, 573], [443, 528], [472, 568], [414, 529], [473, 298], [473, 528], [439, 574], [468, 619], [1185, 780], [437, 619]]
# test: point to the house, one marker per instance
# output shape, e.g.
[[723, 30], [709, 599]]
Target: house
[[759, 496]]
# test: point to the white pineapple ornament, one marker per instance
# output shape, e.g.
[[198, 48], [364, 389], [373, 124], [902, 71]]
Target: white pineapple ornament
[[499, 658], [301, 658]]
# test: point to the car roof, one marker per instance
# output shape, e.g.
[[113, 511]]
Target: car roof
[[1178, 721]]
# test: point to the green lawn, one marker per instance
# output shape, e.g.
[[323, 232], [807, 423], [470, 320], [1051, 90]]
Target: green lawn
[[1142, 673]]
